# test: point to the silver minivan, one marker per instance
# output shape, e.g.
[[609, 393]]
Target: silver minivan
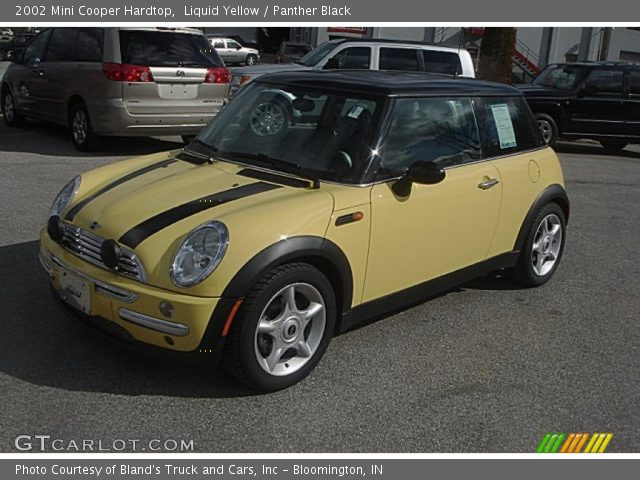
[[116, 81]]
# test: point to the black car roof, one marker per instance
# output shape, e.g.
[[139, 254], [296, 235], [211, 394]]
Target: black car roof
[[376, 82]]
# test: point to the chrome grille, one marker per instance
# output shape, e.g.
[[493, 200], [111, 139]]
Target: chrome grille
[[87, 245]]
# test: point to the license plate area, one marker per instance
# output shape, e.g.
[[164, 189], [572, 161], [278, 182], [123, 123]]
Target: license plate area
[[75, 290], [178, 91]]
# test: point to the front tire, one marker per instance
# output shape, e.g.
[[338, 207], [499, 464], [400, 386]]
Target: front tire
[[82, 134], [283, 328], [548, 128], [251, 60], [543, 247], [11, 116]]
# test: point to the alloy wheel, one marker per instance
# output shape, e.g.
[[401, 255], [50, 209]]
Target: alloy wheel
[[267, 119], [546, 245], [290, 329], [8, 108], [79, 127], [546, 130]]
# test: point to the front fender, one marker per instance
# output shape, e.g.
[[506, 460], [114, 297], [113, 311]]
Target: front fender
[[320, 252]]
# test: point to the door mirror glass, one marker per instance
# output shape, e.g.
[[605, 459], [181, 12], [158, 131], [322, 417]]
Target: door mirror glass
[[426, 173], [422, 172], [12, 56]]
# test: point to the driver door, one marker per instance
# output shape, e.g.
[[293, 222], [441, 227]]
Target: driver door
[[435, 229]]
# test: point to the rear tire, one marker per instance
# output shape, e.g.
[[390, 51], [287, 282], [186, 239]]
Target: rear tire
[[548, 128], [283, 328], [82, 135], [614, 145], [543, 247], [11, 116]]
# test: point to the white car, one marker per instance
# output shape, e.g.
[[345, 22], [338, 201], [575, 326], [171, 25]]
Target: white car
[[232, 52], [368, 54]]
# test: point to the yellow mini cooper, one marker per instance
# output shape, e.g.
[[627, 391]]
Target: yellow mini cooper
[[312, 202]]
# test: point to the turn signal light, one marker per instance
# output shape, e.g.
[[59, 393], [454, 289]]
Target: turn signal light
[[117, 72], [217, 75]]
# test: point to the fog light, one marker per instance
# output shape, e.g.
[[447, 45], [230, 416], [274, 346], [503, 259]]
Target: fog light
[[110, 254], [167, 309]]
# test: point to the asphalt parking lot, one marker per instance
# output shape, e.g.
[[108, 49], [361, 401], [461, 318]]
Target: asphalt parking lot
[[487, 367]]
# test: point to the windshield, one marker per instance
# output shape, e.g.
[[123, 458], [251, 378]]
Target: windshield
[[317, 54], [319, 135], [563, 77]]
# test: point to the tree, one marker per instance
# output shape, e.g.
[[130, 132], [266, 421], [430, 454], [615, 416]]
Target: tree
[[496, 54]]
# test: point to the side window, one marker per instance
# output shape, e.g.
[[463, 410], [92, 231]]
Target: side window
[[604, 82], [218, 45], [399, 59], [36, 50], [635, 82], [358, 58], [233, 44], [61, 45], [89, 45], [507, 126], [440, 130], [441, 62]]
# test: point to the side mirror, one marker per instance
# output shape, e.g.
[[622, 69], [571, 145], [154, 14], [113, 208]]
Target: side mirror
[[238, 47], [12, 56], [332, 64], [422, 172]]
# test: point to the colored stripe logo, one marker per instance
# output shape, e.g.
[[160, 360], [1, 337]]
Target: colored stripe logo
[[574, 443]]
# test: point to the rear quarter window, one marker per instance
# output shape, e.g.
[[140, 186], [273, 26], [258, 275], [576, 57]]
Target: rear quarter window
[[89, 45], [507, 126], [167, 49], [441, 62]]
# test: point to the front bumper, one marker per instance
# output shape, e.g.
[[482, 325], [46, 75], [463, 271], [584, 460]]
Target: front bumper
[[130, 310]]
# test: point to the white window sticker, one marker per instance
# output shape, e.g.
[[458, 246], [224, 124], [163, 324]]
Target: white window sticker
[[501, 116], [355, 112]]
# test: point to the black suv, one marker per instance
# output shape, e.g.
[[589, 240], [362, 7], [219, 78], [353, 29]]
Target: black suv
[[596, 100]]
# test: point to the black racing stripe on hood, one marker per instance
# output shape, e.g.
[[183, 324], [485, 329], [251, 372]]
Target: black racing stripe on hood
[[130, 176], [153, 225]]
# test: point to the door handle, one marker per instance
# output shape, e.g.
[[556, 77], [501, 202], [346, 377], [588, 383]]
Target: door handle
[[487, 184]]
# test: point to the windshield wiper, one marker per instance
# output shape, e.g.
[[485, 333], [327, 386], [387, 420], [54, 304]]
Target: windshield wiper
[[203, 156], [277, 164]]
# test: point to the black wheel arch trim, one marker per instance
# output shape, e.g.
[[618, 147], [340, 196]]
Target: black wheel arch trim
[[553, 193], [318, 251], [303, 248]]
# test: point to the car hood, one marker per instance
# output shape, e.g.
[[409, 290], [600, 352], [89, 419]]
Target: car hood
[[265, 68], [150, 207]]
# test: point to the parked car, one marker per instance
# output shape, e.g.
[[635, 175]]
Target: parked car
[[17, 44], [593, 100], [6, 34], [232, 51], [256, 243], [116, 81], [368, 54]]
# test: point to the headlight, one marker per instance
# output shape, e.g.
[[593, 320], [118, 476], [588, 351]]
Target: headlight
[[65, 196], [199, 254]]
